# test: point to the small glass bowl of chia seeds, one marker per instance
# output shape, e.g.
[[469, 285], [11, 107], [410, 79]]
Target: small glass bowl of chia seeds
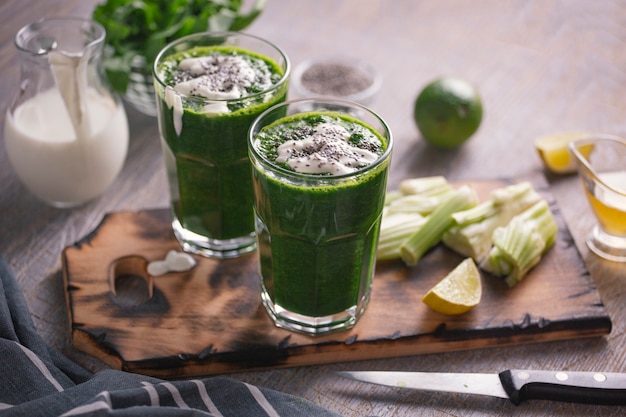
[[342, 77]]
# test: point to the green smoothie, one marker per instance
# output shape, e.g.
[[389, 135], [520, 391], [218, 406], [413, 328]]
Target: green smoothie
[[320, 180], [207, 100]]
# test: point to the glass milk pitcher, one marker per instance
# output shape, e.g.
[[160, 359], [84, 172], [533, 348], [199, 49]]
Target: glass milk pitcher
[[66, 133]]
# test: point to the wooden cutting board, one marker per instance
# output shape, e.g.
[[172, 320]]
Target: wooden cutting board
[[210, 319]]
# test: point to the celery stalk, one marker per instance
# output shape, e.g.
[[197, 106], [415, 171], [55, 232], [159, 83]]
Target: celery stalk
[[472, 233], [421, 195], [422, 204], [392, 196], [404, 211], [519, 245], [541, 219], [424, 185], [394, 230], [517, 248], [436, 224]]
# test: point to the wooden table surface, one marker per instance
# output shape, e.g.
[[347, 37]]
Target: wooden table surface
[[540, 66]]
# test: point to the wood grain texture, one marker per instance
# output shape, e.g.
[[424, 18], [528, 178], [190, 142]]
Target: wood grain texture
[[540, 66], [210, 319]]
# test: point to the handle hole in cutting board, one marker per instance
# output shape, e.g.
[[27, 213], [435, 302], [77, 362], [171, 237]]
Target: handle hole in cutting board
[[130, 282]]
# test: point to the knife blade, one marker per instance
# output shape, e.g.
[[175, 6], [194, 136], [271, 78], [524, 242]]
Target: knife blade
[[602, 388]]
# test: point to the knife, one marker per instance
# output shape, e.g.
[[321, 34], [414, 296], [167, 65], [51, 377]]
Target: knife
[[601, 388]]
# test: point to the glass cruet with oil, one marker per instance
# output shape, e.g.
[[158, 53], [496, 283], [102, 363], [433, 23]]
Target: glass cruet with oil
[[601, 163]]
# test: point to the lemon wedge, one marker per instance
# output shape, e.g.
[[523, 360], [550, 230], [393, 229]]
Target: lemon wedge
[[458, 292], [553, 151]]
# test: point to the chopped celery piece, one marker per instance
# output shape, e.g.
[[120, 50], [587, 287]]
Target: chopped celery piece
[[425, 185], [394, 230], [516, 250], [418, 195], [472, 232], [422, 204], [539, 218], [519, 245], [404, 211], [436, 224], [392, 196]]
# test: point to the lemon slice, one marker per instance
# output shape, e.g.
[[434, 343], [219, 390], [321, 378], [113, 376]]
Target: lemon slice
[[458, 292], [553, 151]]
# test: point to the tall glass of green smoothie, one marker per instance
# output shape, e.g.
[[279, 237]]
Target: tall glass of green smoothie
[[210, 87], [319, 169]]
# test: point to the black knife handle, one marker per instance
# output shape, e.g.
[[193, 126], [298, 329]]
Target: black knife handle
[[579, 387]]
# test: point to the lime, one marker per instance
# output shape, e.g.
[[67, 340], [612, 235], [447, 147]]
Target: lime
[[554, 154], [448, 111], [458, 292]]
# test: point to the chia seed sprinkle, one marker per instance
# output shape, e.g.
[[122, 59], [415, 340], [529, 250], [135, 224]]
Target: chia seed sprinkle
[[220, 73], [335, 79], [328, 145]]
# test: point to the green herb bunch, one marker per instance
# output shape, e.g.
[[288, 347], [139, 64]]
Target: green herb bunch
[[141, 28]]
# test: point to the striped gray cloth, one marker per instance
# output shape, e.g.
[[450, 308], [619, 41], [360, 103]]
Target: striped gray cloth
[[36, 380]]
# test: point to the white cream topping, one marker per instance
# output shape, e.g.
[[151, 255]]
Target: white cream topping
[[215, 107], [215, 77], [218, 77], [174, 262], [326, 151], [173, 100]]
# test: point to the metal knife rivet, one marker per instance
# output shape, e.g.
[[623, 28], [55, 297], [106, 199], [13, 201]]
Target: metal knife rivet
[[599, 377], [561, 376], [523, 375]]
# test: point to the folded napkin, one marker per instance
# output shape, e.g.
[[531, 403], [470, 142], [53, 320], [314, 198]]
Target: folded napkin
[[36, 380]]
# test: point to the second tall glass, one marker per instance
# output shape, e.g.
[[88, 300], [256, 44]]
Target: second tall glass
[[210, 87], [320, 172]]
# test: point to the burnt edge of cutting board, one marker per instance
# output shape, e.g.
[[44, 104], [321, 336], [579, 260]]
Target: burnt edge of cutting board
[[210, 320]]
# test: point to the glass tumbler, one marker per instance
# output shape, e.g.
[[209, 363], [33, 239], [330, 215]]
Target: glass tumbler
[[204, 137], [317, 232]]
